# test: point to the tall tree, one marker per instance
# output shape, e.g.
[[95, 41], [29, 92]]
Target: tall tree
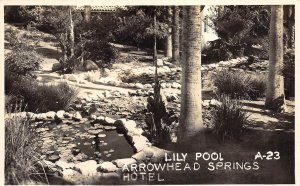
[[175, 36], [275, 99], [168, 39], [289, 17], [191, 109]]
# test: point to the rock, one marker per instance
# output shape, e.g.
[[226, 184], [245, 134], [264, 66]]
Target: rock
[[67, 115], [176, 85], [109, 121], [46, 164], [143, 156], [60, 114], [81, 157], [130, 125], [31, 115], [92, 117], [87, 168], [77, 116], [56, 67], [70, 175], [101, 135], [160, 63], [100, 118], [214, 103], [89, 65], [158, 155], [64, 165], [50, 114], [139, 85], [73, 78], [53, 158], [126, 161], [120, 124], [107, 94], [95, 131], [107, 167], [106, 71], [75, 150]]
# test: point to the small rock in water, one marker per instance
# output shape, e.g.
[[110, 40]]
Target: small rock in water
[[111, 150], [95, 131], [101, 135], [97, 154], [75, 150], [108, 155], [87, 143]]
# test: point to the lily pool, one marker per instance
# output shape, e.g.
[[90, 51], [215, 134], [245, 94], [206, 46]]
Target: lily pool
[[76, 141]]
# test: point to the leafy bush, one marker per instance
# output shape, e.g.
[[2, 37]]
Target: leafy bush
[[289, 75], [228, 118], [43, 97], [240, 85], [21, 151], [101, 52], [23, 62]]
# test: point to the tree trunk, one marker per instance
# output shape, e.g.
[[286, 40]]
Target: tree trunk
[[168, 39], [190, 122], [71, 32], [154, 36], [87, 15], [275, 100], [289, 16], [175, 36]]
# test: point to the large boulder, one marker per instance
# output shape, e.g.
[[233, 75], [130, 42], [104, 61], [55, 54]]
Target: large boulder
[[87, 168], [89, 65], [56, 67]]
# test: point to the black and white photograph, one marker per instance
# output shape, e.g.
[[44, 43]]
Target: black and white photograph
[[154, 94]]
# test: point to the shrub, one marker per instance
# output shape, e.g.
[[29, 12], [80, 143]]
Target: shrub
[[240, 85], [21, 151], [22, 62], [289, 75], [228, 118], [102, 52], [44, 97]]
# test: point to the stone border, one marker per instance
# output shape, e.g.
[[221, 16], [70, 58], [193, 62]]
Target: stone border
[[89, 172]]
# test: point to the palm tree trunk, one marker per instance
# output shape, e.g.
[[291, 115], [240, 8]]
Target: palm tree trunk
[[275, 99], [191, 109], [87, 15], [175, 36]]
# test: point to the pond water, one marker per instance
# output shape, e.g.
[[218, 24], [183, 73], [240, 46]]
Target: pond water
[[109, 143]]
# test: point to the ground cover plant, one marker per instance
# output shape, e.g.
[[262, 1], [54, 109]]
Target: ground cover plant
[[228, 118]]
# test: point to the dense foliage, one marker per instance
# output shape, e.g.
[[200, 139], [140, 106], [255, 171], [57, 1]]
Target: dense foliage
[[21, 151], [228, 119], [240, 85]]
